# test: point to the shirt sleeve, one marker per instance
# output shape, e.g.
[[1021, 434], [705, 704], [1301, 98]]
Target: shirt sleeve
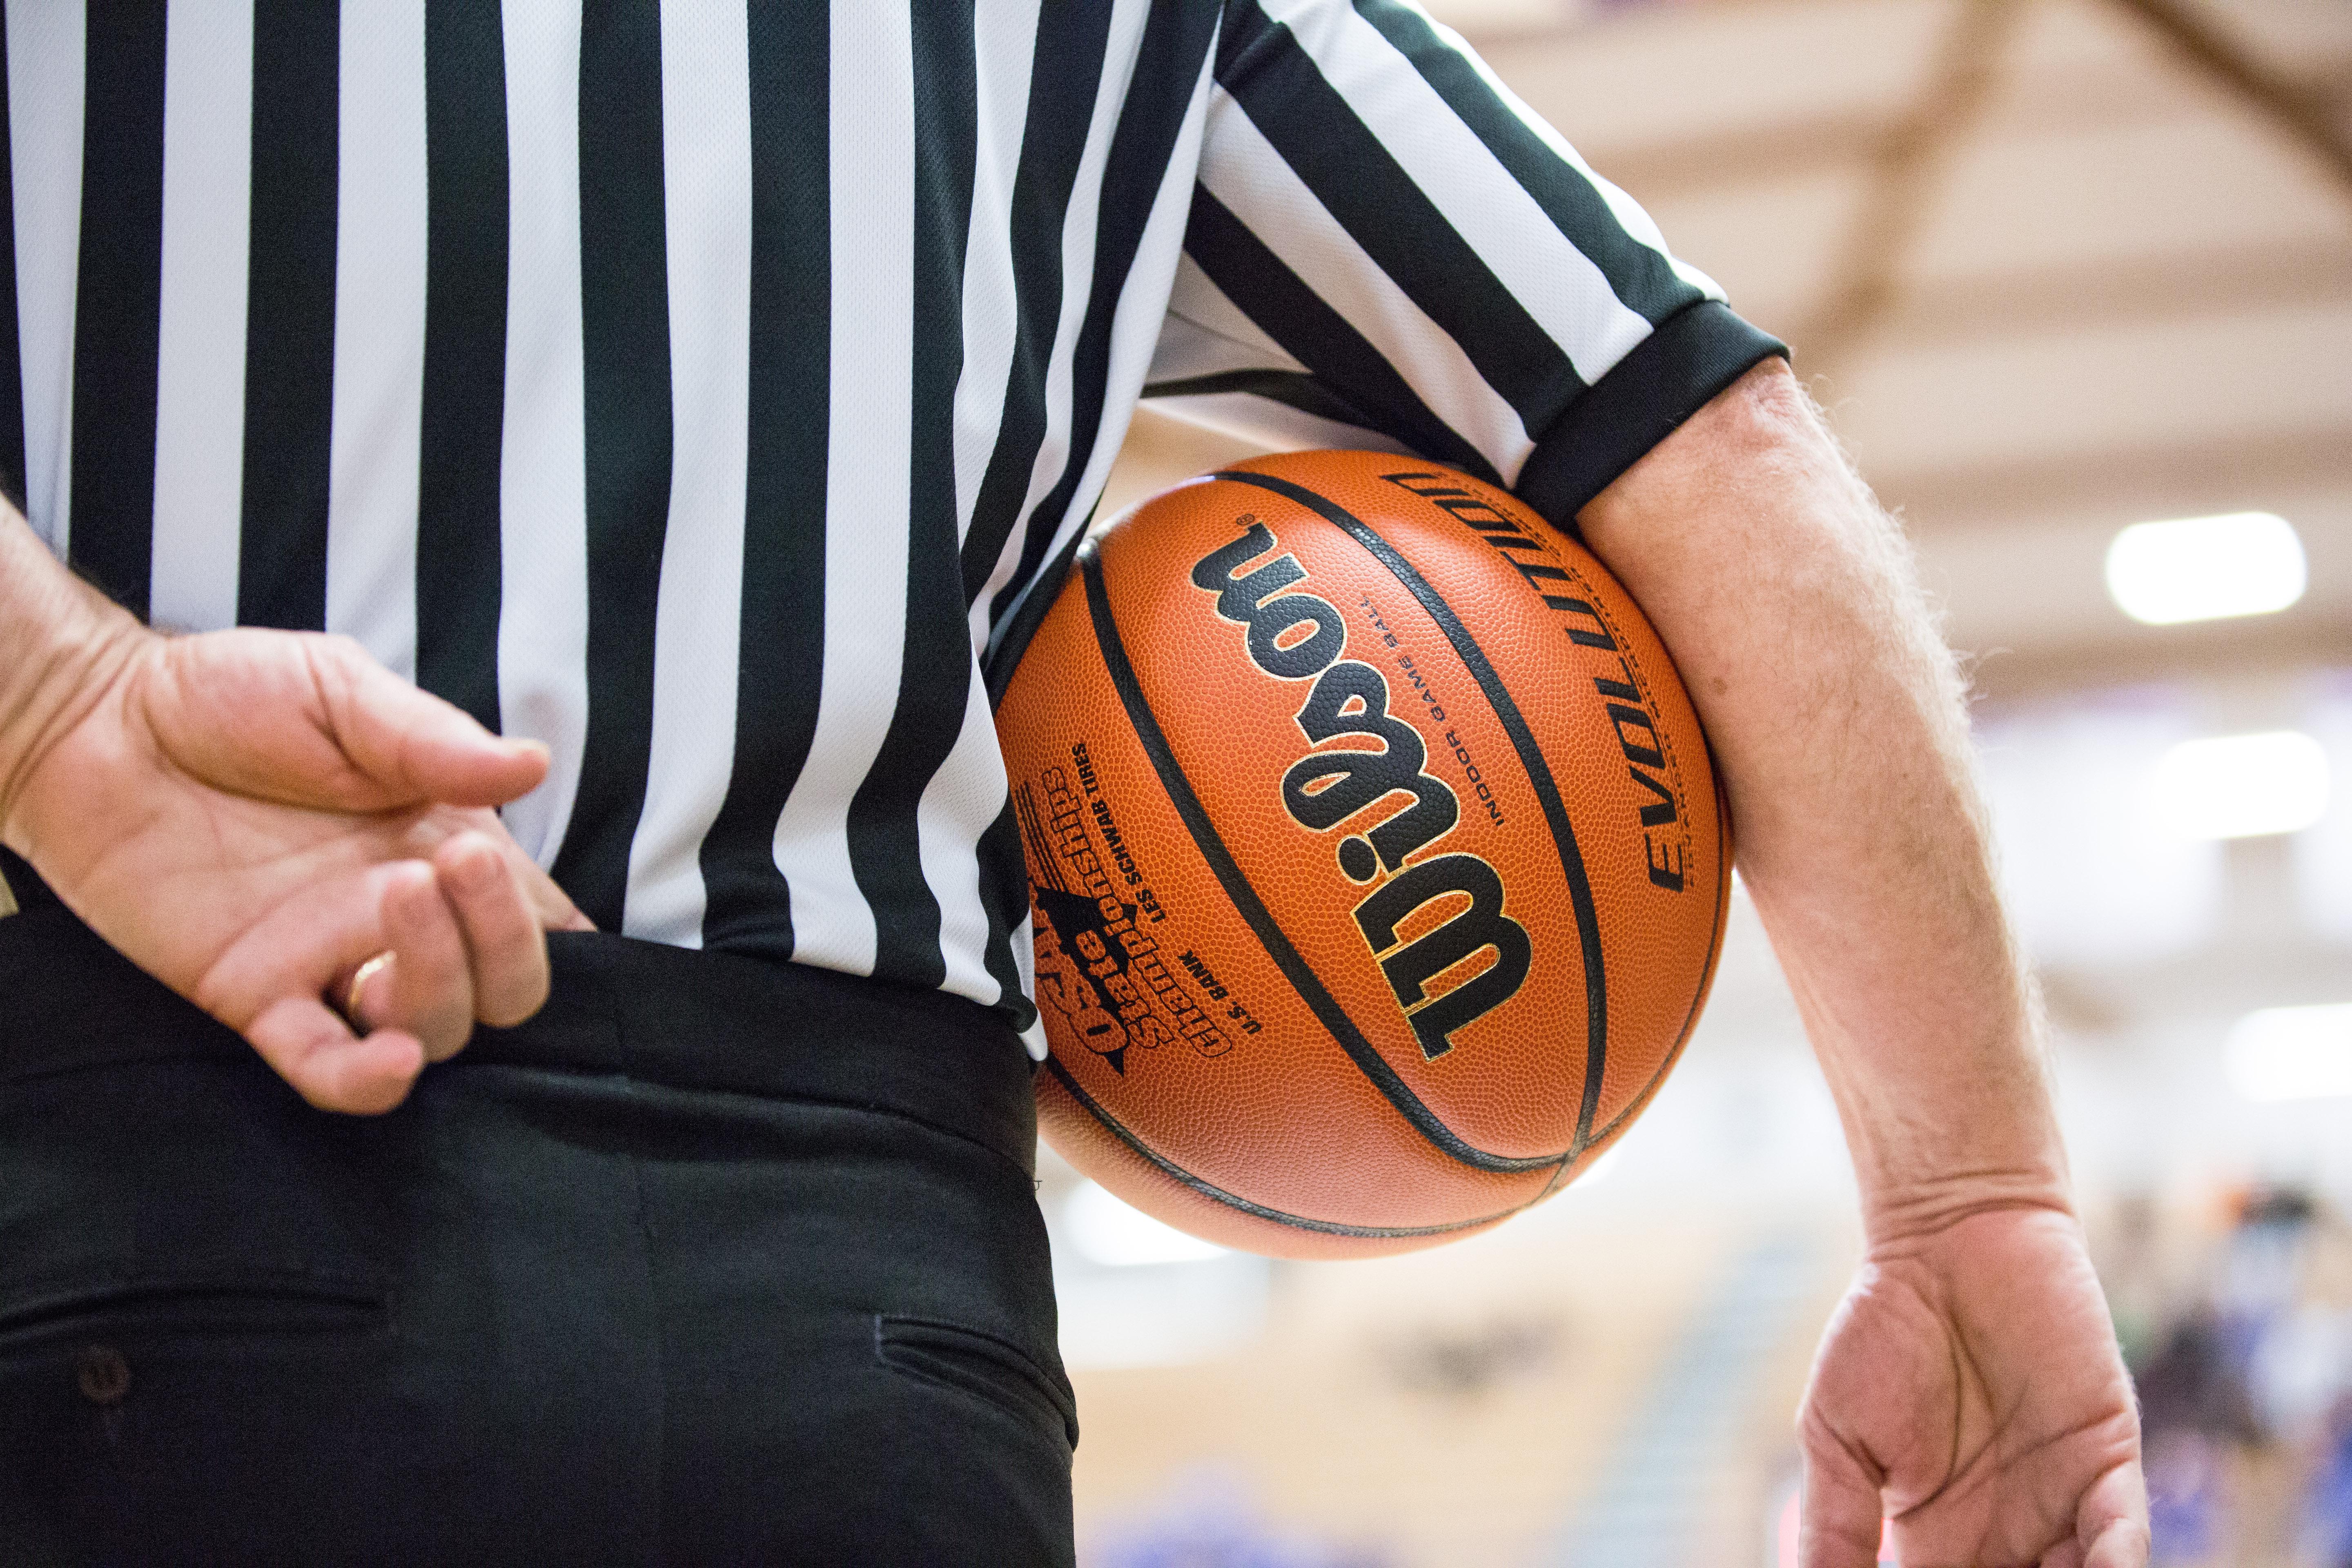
[[1387, 248]]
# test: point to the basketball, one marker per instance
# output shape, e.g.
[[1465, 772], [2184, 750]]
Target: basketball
[[1377, 864]]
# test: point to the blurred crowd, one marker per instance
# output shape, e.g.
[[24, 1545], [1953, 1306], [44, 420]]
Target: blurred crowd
[[2239, 1332], [1210, 1517]]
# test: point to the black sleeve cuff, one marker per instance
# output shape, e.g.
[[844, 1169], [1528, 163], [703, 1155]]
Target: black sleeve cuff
[[1670, 376]]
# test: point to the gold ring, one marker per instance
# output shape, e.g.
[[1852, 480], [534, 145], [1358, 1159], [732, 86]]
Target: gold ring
[[360, 977]]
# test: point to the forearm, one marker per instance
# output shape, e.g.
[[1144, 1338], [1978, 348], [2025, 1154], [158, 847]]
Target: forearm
[[1836, 718], [59, 639]]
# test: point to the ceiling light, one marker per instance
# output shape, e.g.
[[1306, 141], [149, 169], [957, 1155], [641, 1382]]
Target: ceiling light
[[2240, 787], [2291, 1053], [1113, 1233], [2206, 568]]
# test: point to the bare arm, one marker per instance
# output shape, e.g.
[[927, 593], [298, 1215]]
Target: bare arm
[[250, 816], [1835, 713], [1976, 1338]]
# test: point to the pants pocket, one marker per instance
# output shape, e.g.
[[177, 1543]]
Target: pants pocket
[[981, 1364], [136, 1412], [255, 1302]]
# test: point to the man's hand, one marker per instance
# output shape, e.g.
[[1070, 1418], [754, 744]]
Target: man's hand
[[1971, 1382], [251, 816]]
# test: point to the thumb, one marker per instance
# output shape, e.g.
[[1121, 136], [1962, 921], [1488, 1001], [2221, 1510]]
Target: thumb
[[1839, 1524], [312, 721], [2112, 1520], [421, 747]]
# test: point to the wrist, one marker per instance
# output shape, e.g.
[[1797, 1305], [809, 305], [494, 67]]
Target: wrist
[[62, 647], [1945, 1102], [1896, 1213]]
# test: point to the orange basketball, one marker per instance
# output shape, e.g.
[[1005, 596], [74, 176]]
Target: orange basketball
[[1378, 863]]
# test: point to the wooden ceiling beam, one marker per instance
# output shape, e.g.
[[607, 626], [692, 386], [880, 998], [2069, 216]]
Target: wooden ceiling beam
[[2153, 478], [2217, 281], [2041, 102], [1905, 176], [2304, 111], [2223, 279]]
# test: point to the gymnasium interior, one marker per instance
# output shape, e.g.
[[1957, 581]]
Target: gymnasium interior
[[2057, 268]]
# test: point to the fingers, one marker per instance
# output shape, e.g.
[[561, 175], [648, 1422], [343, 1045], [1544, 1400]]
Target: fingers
[[2122, 1544], [421, 983], [312, 1049], [505, 947], [1839, 1524], [2112, 1520], [270, 982], [503, 905], [430, 980], [421, 950], [554, 909]]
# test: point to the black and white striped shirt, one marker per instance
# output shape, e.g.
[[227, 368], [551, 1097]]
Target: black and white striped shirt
[[697, 386]]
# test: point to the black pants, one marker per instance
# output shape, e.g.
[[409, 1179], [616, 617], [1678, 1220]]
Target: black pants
[[715, 1261]]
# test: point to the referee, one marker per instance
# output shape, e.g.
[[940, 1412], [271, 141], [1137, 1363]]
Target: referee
[[665, 413]]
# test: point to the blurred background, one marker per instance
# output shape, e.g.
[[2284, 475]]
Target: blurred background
[[2059, 270]]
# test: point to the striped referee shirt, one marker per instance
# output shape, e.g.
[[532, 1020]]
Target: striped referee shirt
[[704, 388]]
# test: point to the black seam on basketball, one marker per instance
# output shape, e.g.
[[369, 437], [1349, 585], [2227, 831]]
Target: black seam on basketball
[[1698, 999], [1714, 953], [1235, 1201], [1473, 659], [1293, 966]]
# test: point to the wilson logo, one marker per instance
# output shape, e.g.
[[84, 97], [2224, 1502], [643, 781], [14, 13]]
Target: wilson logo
[[1293, 635]]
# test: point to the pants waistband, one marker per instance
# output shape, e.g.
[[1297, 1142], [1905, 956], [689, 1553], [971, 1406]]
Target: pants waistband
[[672, 1015]]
